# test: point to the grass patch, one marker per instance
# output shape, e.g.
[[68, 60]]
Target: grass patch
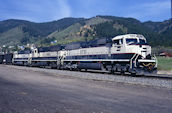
[[164, 63]]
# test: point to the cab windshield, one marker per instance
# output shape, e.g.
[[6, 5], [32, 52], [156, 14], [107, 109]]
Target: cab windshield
[[142, 41], [131, 41]]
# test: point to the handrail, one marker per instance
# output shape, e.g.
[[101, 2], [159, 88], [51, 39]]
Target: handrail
[[132, 60], [136, 59], [156, 61]]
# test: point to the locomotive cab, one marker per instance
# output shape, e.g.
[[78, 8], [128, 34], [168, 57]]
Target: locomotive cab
[[135, 48], [132, 44]]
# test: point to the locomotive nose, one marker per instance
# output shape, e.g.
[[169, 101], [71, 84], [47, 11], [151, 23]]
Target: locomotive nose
[[145, 51]]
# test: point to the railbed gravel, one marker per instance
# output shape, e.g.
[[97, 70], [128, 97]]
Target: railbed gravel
[[103, 77]]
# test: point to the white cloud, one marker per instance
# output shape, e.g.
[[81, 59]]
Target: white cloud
[[48, 10], [147, 10], [157, 7], [64, 9], [54, 9], [36, 10]]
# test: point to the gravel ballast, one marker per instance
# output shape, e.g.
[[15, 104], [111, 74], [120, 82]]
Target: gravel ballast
[[157, 82]]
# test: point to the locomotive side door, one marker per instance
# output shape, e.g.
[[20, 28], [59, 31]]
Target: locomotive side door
[[117, 46]]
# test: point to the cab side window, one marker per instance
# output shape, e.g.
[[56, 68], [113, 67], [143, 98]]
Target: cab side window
[[118, 42], [121, 41]]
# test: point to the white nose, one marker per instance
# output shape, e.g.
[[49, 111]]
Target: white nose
[[144, 51]]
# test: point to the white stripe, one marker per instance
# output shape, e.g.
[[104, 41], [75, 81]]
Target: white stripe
[[146, 60], [20, 60], [122, 60], [44, 60]]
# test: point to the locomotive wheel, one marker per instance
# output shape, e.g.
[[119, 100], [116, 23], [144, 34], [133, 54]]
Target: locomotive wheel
[[78, 69], [59, 67], [112, 71], [133, 74], [103, 68], [71, 69], [122, 72]]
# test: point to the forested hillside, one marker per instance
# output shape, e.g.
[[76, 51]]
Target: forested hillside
[[21, 32]]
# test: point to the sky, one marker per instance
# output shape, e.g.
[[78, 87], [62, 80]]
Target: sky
[[49, 10]]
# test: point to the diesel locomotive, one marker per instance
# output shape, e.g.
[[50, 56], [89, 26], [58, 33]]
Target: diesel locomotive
[[125, 53]]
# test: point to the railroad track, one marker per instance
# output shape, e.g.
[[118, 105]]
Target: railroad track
[[159, 76], [151, 76], [148, 80]]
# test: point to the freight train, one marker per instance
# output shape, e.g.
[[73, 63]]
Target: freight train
[[125, 53], [6, 58]]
